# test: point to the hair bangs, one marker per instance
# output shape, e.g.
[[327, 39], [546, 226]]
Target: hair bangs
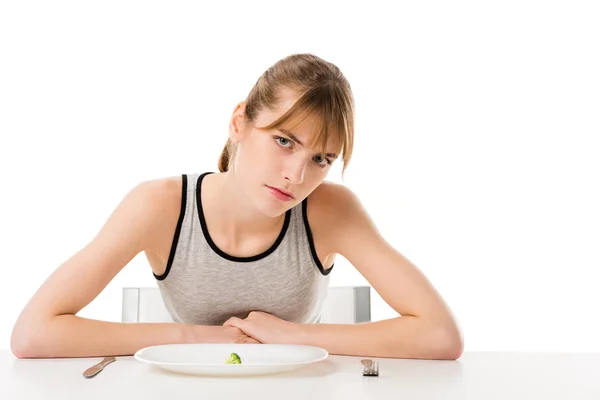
[[331, 120]]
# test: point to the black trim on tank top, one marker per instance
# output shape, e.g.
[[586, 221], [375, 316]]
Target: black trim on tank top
[[311, 242], [177, 229], [220, 252]]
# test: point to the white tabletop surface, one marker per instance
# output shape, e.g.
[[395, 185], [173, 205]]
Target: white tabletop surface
[[473, 376]]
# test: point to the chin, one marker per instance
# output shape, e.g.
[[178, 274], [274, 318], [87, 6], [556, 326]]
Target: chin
[[272, 209], [269, 206]]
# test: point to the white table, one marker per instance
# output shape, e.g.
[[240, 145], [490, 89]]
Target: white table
[[480, 376]]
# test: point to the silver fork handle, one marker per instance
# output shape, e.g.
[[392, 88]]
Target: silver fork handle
[[367, 365]]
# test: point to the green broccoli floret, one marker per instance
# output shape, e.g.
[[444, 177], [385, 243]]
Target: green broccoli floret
[[233, 359]]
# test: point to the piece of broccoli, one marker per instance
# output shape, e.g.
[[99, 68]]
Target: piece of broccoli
[[233, 359]]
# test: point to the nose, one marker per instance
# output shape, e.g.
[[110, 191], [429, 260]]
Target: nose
[[294, 170]]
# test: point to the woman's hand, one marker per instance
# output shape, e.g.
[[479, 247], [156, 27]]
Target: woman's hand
[[266, 328], [217, 334]]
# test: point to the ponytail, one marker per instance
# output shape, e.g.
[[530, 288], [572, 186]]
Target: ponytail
[[224, 158]]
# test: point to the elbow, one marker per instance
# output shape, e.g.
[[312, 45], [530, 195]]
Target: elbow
[[451, 344], [453, 349], [439, 343], [21, 346], [22, 352], [24, 342]]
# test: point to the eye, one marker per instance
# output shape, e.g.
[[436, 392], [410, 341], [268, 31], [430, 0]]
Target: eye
[[319, 159], [283, 142]]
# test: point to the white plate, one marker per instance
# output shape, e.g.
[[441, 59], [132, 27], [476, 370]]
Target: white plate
[[209, 358]]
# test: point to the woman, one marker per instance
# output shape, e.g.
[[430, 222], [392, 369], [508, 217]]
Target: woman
[[244, 255]]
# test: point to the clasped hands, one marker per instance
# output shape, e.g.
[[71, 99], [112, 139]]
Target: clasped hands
[[261, 327]]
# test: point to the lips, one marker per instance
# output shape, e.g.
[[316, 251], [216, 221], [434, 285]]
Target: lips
[[284, 192]]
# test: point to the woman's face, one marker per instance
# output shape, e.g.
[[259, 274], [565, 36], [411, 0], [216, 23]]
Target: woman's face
[[268, 163]]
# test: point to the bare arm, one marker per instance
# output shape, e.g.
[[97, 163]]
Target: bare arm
[[425, 328], [48, 325]]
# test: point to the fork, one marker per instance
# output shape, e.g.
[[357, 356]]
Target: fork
[[370, 368]]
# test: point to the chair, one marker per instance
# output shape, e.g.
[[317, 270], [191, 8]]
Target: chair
[[343, 305]]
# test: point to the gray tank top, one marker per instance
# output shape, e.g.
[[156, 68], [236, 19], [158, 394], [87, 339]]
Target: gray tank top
[[205, 286]]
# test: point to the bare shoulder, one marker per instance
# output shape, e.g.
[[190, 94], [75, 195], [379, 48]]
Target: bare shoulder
[[332, 210], [143, 212], [155, 195], [333, 202], [160, 199], [160, 191]]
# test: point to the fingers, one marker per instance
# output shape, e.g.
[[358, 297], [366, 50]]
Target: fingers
[[234, 321], [257, 314]]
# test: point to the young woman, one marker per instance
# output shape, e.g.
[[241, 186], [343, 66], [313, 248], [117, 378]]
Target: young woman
[[244, 255]]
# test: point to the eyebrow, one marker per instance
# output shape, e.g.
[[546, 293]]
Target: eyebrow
[[295, 139]]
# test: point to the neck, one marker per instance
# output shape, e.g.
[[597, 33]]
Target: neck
[[231, 211]]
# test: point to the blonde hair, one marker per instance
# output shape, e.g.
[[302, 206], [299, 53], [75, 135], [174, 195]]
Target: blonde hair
[[326, 94]]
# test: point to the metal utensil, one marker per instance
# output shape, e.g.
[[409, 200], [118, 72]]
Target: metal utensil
[[370, 368], [95, 369]]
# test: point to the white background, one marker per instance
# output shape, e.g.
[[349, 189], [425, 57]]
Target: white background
[[476, 152]]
